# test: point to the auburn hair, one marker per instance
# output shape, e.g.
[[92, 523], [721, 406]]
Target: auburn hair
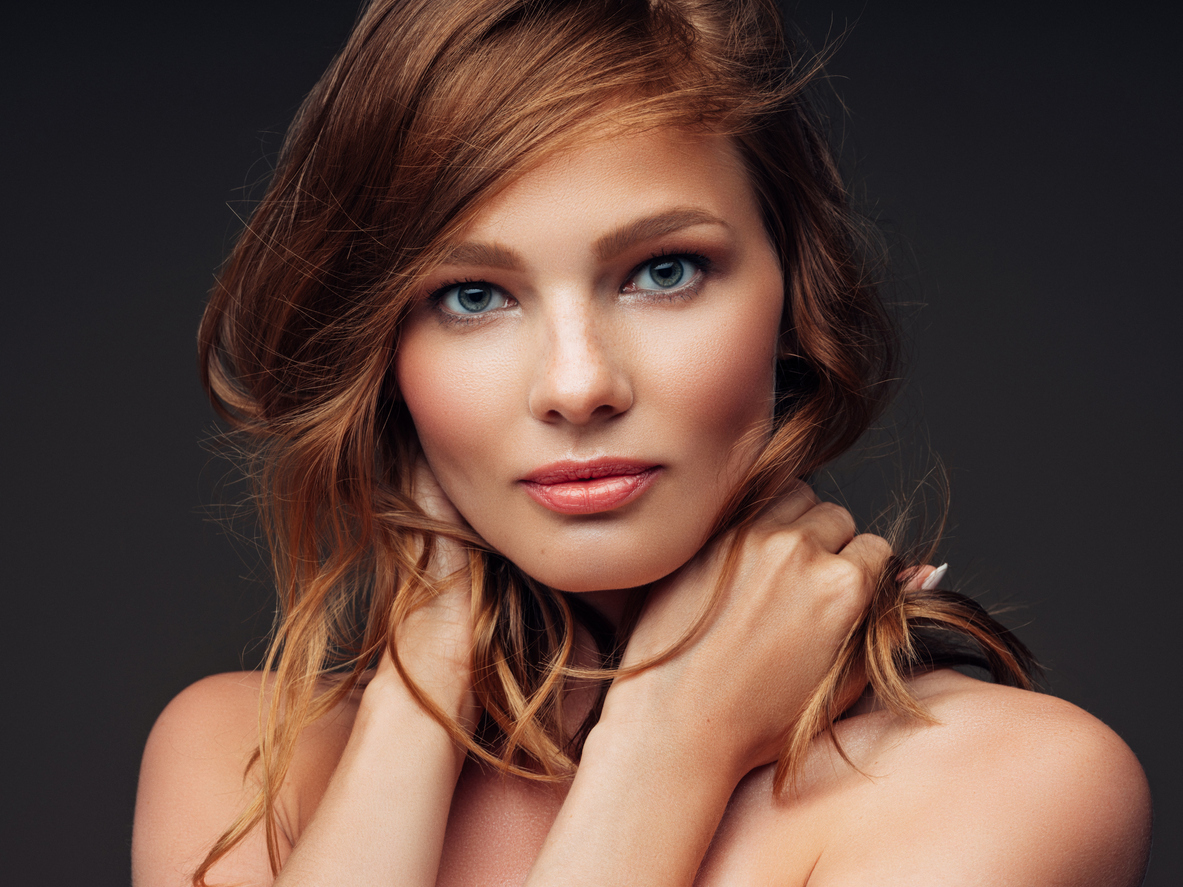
[[429, 110]]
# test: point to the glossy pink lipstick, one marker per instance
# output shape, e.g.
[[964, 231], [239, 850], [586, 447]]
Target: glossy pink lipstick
[[589, 487]]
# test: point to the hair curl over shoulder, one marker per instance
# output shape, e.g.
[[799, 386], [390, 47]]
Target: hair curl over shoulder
[[429, 110]]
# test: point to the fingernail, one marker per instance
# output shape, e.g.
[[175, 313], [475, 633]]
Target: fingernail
[[935, 577]]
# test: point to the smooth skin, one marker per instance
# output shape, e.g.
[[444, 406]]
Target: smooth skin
[[569, 345]]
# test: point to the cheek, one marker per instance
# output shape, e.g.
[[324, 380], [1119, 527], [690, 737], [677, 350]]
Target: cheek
[[452, 406], [422, 383], [720, 381]]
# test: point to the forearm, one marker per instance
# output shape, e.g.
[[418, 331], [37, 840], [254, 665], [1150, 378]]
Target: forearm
[[383, 816], [642, 810]]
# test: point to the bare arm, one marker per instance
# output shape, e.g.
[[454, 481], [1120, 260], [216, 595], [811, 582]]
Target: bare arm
[[380, 820], [390, 792], [673, 742], [1008, 787], [383, 817]]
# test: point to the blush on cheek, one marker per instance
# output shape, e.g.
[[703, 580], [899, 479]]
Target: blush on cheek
[[429, 389], [461, 400], [455, 399], [724, 381], [423, 389]]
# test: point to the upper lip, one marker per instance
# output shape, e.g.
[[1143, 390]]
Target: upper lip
[[567, 471]]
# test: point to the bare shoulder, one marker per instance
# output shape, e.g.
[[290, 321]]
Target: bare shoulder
[[215, 716], [216, 720], [195, 780], [1007, 786]]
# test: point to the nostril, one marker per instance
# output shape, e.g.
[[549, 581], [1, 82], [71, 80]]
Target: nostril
[[582, 375], [583, 393]]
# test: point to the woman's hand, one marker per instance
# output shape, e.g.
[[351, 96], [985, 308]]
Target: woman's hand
[[675, 739], [383, 817], [435, 640], [801, 580]]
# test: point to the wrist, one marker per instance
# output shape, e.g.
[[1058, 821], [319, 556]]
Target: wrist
[[389, 711], [443, 680], [641, 811], [667, 742], [638, 714]]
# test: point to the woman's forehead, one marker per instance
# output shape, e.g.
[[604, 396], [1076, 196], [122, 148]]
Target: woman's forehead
[[684, 175]]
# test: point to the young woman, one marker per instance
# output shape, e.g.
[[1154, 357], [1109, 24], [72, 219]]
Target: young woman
[[547, 312]]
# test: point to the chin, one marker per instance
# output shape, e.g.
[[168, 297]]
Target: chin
[[575, 572], [576, 583]]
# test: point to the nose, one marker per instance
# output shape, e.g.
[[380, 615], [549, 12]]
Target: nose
[[581, 377]]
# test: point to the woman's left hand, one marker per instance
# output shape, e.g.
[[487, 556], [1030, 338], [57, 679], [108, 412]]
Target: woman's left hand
[[801, 579], [682, 733]]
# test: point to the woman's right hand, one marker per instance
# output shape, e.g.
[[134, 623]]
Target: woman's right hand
[[801, 581], [384, 814], [435, 640]]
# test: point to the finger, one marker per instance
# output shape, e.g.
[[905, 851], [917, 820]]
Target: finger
[[925, 577], [431, 496], [911, 577], [449, 558], [934, 578], [828, 524], [792, 505], [869, 552]]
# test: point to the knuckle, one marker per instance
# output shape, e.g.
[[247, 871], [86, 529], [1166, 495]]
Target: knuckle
[[805, 491], [878, 548], [836, 514], [777, 542], [845, 577], [791, 506], [849, 585]]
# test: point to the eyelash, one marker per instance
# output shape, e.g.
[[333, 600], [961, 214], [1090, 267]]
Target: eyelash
[[702, 265], [437, 297]]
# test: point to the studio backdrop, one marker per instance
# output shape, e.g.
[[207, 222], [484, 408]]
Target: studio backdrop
[[1022, 164]]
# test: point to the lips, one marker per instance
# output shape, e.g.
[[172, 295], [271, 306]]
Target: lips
[[589, 487]]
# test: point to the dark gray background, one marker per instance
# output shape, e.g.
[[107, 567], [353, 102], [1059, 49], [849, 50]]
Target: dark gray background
[[1026, 165]]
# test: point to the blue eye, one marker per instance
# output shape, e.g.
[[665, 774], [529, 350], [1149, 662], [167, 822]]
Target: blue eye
[[471, 298], [666, 273]]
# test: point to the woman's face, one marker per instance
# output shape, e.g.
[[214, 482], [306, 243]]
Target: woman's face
[[590, 372]]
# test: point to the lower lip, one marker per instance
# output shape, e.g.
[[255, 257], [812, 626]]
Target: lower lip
[[591, 496]]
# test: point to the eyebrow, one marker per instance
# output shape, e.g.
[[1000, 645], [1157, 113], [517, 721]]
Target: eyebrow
[[491, 255], [615, 242], [610, 245]]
